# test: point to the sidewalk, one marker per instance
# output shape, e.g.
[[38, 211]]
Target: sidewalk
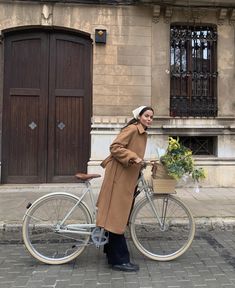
[[212, 207]]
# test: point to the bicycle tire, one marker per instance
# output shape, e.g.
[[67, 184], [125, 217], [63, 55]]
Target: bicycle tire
[[39, 228], [162, 244]]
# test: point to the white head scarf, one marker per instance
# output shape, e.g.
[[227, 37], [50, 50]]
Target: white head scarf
[[137, 111]]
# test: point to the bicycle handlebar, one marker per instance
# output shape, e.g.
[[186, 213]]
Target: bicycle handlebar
[[146, 163]]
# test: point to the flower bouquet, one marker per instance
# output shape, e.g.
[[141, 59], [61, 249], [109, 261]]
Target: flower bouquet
[[179, 162], [176, 163]]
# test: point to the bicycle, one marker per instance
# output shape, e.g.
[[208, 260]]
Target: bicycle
[[59, 226]]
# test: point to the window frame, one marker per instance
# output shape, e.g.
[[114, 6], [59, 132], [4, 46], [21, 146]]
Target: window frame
[[182, 101]]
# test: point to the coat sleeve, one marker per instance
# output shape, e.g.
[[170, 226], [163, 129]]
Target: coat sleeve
[[119, 148]]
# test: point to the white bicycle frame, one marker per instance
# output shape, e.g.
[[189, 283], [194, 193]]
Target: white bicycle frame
[[82, 228]]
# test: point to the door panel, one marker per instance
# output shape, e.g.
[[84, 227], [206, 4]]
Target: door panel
[[46, 106], [25, 108], [70, 62], [68, 135], [69, 102], [23, 129]]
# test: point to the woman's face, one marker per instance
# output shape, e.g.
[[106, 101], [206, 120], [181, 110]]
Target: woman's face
[[146, 118]]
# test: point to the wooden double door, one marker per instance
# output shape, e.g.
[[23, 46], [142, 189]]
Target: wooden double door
[[46, 105]]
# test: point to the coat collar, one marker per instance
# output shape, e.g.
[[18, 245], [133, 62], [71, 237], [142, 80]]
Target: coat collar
[[140, 128]]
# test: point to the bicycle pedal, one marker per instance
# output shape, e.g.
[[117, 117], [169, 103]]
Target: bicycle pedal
[[99, 236]]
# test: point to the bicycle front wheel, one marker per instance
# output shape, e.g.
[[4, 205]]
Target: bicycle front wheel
[[44, 236], [165, 238]]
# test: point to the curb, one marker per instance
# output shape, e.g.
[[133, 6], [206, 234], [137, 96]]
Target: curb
[[12, 233], [213, 223]]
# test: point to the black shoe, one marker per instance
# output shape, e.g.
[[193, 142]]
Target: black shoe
[[126, 267]]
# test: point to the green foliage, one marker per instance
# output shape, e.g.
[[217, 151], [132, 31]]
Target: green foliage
[[178, 161]]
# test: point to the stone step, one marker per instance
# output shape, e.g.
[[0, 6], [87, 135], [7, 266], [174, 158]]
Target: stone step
[[41, 187]]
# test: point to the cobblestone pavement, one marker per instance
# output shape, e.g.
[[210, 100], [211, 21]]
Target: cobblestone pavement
[[210, 262]]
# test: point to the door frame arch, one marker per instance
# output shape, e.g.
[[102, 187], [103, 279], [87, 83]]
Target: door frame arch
[[52, 28]]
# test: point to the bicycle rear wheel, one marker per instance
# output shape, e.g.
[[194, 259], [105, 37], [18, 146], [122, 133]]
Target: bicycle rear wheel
[[41, 225], [173, 238]]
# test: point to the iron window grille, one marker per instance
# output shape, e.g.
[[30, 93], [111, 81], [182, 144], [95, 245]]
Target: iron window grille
[[200, 145], [193, 71]]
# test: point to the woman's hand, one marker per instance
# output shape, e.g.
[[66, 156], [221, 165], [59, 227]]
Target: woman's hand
[[137, 160]]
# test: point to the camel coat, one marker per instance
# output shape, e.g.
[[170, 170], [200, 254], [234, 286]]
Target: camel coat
[[121, 175]]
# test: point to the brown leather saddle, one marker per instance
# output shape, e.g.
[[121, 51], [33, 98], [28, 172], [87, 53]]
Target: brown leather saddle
[[86, 177]]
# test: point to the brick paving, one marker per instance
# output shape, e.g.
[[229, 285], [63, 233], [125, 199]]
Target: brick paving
[[209, 262]]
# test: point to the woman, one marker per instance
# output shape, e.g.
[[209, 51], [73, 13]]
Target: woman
[[121, 175]]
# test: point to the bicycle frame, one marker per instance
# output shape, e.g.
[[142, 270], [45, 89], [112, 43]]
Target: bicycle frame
[[80, 228]]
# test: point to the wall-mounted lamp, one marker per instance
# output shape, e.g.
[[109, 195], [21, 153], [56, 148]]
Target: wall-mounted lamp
[[100, 36]]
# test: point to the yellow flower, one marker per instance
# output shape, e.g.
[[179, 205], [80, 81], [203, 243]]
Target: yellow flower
[[179, 161]]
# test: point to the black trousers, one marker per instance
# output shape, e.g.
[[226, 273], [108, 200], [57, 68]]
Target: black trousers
[[116, 249]]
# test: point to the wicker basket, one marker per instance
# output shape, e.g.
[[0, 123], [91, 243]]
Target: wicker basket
[[162, 183], [164, 186]]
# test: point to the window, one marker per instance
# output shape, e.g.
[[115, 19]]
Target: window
[[200, 145], [193, 71]]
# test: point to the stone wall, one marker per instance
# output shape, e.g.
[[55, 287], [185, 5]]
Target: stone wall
[[121, 67]]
